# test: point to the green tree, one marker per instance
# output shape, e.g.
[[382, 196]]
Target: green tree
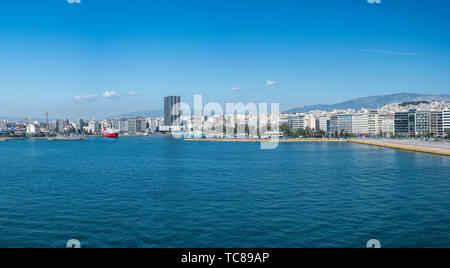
[[447, 133], [287, 130]]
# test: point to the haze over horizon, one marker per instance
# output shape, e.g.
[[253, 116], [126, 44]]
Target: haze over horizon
[[100, 58]]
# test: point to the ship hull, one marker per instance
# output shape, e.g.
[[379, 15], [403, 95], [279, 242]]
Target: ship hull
[[110, 135]]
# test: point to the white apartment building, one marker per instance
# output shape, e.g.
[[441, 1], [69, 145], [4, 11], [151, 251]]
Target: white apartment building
[[310, 121], [33, 129], [296, 121], [360, 124], [153, 123], [373, 124], [3, 124], [120, 124], [446, 121], [94, 127], [345, 123], [422, 123], [353, 123], [323, 123], [387, 125]]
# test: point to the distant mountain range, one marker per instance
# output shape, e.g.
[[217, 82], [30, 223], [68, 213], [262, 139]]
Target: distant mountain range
[[373, 102]]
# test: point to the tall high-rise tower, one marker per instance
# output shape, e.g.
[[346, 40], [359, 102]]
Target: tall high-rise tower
[[172, 110]]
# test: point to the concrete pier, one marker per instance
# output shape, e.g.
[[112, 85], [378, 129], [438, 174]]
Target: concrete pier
[[432, 147], [268, 140]]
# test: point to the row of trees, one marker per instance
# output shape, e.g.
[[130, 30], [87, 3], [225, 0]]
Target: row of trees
[[306, 132]]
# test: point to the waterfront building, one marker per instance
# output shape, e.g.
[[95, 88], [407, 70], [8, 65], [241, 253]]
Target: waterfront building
[[141, 125], [357, 124], [405, 123], [323, 123], [155, 123], [62, 125], [79, 125], [360, 124], [334, 124], [422, 123], [296, 121], [94, 127], [373, 123], [412, 122], [401, 123], [387, 125], [446, 122], [172, 111], [310, 121], [136, 125], [33, 129], [345, 123], [3, 124], [436, 124], [120, 124], [53, 126]]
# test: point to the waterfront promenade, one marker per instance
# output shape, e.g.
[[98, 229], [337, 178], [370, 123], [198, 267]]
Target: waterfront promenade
[[433, 147], [23, 138], [269, 140]]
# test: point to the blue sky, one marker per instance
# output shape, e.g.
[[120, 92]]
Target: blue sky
[[321, 51]]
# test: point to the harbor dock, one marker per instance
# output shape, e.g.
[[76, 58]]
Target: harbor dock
[[44, 138], [432, 147], [269, 140]]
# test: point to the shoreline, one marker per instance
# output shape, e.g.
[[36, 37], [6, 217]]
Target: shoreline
[[412, 146], [81, 137], [268, 140], [437, 148]]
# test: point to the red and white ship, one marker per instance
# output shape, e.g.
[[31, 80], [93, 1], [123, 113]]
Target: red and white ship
[[110, 133]]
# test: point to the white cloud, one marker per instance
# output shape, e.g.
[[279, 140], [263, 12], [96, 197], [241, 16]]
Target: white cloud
[[110, 94], [90, 98], [271, 83], [131, 94], [236, 88], [86, 98]]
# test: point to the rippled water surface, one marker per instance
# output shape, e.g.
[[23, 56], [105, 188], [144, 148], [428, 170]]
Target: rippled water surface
[[161, 192]]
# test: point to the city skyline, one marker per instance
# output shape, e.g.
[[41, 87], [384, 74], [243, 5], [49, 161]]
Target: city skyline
[[81, 62]]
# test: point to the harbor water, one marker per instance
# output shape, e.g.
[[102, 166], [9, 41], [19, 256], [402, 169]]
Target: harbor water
[[164, 192]]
